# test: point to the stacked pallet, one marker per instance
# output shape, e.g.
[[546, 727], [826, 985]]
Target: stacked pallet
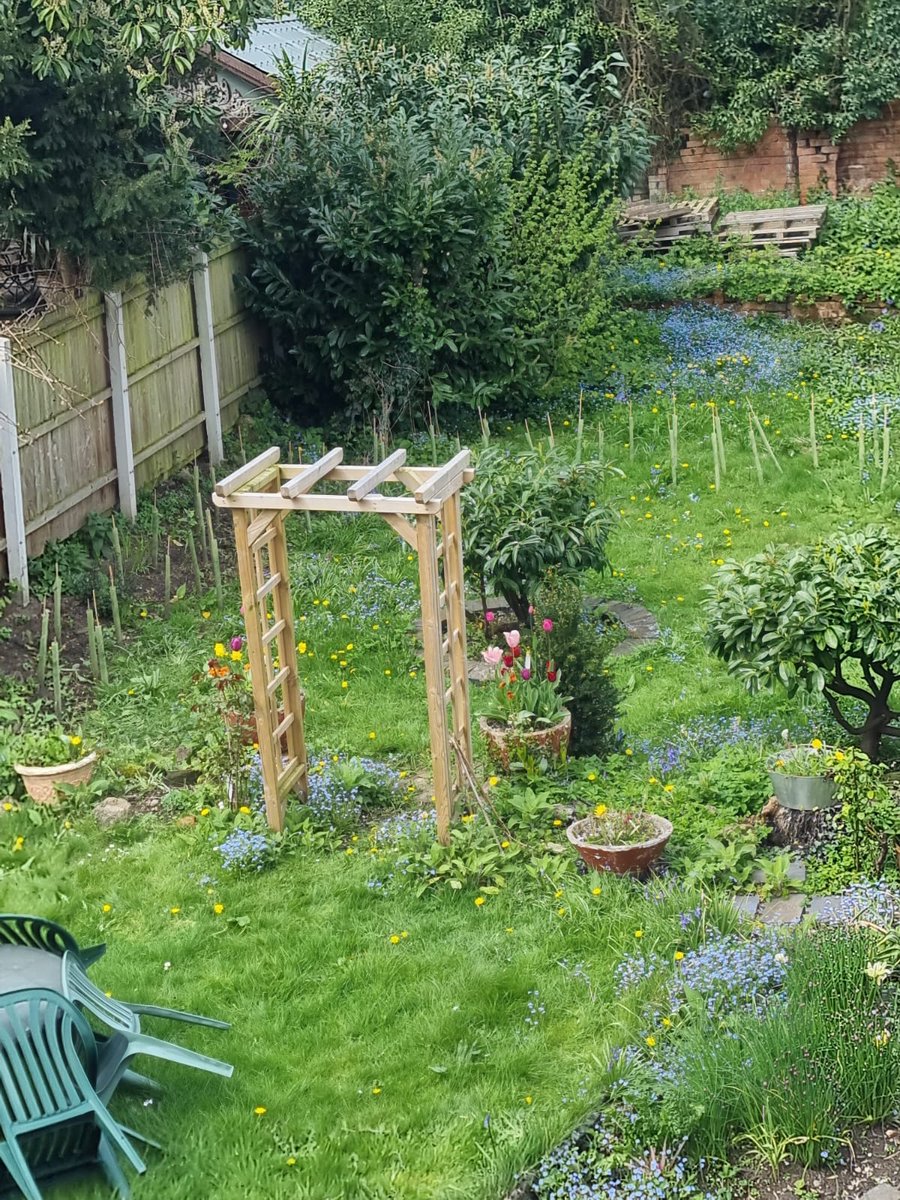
[[788, 229], [667, 222]]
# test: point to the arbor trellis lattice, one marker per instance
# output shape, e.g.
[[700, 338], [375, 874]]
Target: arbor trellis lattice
[[428, 517]]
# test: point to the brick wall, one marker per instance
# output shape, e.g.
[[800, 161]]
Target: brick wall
[[860, 159]]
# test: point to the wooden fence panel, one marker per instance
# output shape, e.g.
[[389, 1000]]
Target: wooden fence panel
[[63, 397], [239, 337], [163, 381]]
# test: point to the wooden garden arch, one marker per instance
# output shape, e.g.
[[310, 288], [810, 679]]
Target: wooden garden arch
[[428, 517]]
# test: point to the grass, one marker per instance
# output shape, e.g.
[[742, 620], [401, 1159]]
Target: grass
[[407, 1071]]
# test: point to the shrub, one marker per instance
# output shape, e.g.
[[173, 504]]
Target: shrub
[[378, 250], [581, 649], [532, 512], [818, 619], [382, 225]]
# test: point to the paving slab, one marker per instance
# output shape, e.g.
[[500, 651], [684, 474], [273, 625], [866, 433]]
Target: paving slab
[[826, 908], [747, 906], [881, 1191], [783, 912]]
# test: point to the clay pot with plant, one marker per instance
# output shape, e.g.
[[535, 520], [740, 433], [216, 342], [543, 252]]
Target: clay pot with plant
[[50, 759], [524, 712], [626, 843]]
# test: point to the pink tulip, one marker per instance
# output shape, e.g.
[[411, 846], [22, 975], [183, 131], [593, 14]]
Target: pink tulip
[[513, 638], [531, 610], [547, 624], [492, 655], [490, 616], [237, 643]]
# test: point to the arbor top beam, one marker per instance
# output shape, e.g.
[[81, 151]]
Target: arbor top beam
[[264, 483]]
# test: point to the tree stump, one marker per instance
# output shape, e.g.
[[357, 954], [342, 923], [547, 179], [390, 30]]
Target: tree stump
[[793, 828]]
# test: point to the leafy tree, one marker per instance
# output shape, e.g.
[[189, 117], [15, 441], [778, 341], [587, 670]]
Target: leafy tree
[[382, 225], [530, 513], [820, 619], [98, 149]]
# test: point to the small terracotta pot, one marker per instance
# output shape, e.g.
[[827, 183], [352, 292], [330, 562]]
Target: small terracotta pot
[[40, 782], [621, 860], [503, 743]]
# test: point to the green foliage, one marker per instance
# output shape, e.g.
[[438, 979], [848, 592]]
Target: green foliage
[[48, 748], [866, 836], [529, 513], [389, 255], [804, 617], [580, 648], [97, 145], [565, 251]]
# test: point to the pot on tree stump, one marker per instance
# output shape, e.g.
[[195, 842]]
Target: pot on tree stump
[[802, 793], [505, 743]]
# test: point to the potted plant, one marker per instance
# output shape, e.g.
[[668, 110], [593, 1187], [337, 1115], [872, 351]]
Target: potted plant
[[50, 758], [803, 776], [625, 843], [524, 712]]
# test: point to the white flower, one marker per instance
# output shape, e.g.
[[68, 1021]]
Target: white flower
[[781, 957], [167, 966], [878, 971]]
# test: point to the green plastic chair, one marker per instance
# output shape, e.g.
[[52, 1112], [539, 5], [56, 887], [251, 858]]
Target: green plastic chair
[[127, 1041], [17, 929], [52, 1119]]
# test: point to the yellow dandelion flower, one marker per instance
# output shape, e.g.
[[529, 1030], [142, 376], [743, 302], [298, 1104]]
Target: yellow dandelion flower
[[260, 1111], [479, 900], [218, 909], [596, 891], [679, 955]]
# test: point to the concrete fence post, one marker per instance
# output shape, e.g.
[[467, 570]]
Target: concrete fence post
[[11, 477], [121, 403], [209, 371]]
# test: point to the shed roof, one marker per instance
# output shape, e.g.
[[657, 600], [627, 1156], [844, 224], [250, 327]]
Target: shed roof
[[270, 40]]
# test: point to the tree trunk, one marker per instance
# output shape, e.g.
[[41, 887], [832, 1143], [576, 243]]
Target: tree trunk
[[519, 605], [870, 738]]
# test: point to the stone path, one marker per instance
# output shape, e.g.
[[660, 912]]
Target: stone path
[[790, 909]]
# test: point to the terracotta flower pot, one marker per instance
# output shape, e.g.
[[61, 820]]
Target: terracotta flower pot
[[621, 860], [503, 742], [41, 782]]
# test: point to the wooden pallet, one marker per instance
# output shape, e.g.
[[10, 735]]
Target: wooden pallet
[[788, 229], [668, 222]]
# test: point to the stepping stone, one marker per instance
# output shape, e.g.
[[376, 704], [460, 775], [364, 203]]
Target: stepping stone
[[827, 908], [783, 912], [881, 1191], [747, 906]]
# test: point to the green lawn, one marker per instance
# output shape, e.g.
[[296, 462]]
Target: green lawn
[[406, 1070]]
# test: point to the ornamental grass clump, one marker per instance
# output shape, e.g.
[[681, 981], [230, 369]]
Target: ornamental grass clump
[[604, 827], [526, 691]]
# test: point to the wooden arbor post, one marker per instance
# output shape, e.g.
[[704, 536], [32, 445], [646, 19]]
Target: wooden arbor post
[[427, 516]]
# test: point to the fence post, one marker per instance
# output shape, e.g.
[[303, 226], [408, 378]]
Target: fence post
[[209, 371], [121, 403], [11, 477]]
